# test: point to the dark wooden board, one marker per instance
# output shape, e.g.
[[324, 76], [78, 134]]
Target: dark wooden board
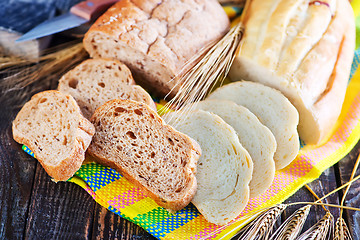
[[321, 186], [60, 210], [108, 225], [17, 169], [16, 180]]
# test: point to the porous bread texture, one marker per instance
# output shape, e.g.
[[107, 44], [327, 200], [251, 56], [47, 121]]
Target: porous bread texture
[[273, 109], [256, 138], [156, 38], [305, 50], [131, 138], [96, 81], [52, 126], [224, 168]]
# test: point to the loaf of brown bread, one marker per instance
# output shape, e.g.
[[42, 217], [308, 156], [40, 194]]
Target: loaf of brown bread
[[52, 126], [156, 38], [96, 81], [131, 138], [305, 50]]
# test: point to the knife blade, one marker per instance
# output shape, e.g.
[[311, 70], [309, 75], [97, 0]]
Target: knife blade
[[79, 14]]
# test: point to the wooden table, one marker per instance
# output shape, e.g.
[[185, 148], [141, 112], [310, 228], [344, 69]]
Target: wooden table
[[34, 207]]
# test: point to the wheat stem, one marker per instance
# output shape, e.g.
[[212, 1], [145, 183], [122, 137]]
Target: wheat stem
[[315, 195], [339, 188], [53, 64], [356, 165], [326, 204]]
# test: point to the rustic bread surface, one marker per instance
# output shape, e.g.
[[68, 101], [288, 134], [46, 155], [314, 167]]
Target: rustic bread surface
[[52, 126], [273, 110], [131, 138], [96, 81], [256, 138], [156, 38], [305, 50], [224, 168]]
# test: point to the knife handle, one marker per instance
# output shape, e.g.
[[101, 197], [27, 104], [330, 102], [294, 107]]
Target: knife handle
[[91, 9]]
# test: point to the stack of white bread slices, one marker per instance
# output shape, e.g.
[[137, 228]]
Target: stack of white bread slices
[[246, 131]]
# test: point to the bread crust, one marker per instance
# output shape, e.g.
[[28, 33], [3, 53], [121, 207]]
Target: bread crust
[[312, 64], [68, 166], [155, 39], [194, 153]]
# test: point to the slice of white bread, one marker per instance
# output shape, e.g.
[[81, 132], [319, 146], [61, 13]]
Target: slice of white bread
[[52, 126], [131, 138], [96, 81], [224, 168], [273, 109], [254, 137]]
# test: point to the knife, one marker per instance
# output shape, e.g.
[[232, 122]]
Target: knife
[[80, 13]]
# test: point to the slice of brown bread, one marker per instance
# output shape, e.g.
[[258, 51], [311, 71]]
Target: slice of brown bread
[[96, 81], [52, 126], [131, 138]]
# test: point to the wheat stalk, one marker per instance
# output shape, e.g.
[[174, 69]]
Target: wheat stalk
[[325, 204], [291, 228], [54, 63], [315, 195], [9, 61], [196, 83], [322, 230], [259, 222], [261, 227], [254, 219]]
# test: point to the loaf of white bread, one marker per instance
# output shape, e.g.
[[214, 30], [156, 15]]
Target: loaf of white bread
[[131, 138], [52, 126], [96, 81], [305, 50], [156, 38]]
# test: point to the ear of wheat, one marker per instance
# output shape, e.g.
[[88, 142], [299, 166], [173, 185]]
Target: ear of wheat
[[322, 230], [341, 230], [261, 227], [291, 228], [20, 73]]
